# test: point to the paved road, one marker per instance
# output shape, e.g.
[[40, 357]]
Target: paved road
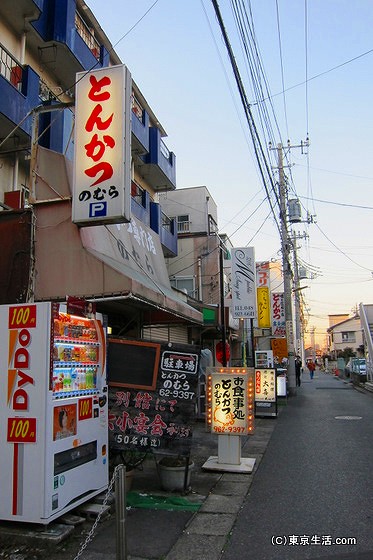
[[315, 482]]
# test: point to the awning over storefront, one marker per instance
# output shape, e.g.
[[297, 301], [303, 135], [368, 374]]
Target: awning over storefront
[[112, 263], [66, 266]]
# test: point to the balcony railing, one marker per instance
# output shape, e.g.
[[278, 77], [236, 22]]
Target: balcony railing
[[183, 227], [87, 36], [137, 109], [167, 223], [137, 193], [10, 68], [164, 150]]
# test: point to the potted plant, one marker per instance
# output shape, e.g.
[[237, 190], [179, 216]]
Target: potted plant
[[131, 459], [174, 472]]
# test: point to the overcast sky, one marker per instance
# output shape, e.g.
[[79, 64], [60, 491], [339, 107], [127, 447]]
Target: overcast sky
[[177, 57]]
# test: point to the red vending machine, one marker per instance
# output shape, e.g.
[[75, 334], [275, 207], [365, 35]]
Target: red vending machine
[[53, 410]]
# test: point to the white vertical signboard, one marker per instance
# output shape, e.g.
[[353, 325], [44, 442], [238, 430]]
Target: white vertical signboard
[[102, 160], [243, 283], [278, 314]]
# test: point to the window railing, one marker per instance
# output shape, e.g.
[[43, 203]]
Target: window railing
[[183, 227], [137, 109], [166, 222], [87, 36], [137, 193], [10, 68], [164, 150]]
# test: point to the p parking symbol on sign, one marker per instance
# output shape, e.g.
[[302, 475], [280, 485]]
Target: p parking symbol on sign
[[97, 209]]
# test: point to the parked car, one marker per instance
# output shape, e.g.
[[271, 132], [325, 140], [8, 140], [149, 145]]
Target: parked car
[[356, 365]]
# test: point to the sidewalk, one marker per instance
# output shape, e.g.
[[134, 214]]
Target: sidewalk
[[194, 526]]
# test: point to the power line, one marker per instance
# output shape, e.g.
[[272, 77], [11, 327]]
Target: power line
[[340, 250], [324, 73], [339, 203], [258, 148]]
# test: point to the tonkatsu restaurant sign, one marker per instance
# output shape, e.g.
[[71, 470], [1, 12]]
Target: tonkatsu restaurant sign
[[102, 161], [230, 400]]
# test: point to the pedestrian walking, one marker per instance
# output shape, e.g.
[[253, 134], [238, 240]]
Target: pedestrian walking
[[311, 368], [298, 370]]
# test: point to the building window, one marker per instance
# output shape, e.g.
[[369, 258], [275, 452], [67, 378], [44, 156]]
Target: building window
[[183, 224], [213, 227], [348, 337], [185, 284]]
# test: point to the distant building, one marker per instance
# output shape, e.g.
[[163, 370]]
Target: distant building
[[345, 334]]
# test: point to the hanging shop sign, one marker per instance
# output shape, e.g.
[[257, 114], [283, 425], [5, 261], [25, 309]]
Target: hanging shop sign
[[243, 283], [265, 392], [264, 308], [102, 159], [278, 314], [262, 274], [230, 400]]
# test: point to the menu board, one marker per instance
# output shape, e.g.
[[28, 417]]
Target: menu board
[[152, 412]]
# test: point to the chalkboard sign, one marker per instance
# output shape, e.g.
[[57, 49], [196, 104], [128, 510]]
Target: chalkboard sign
[[132, 364], [160, 419]]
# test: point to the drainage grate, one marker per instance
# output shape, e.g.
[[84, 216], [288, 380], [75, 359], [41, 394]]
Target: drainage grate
[[348, 417]]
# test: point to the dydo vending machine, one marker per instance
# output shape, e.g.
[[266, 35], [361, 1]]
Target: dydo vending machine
[[53, 410]]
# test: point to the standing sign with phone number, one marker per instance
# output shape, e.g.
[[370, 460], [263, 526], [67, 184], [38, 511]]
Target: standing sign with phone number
[[161, 418]]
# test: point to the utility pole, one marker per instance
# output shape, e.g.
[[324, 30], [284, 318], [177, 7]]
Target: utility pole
[[287, 272], [286, 268], [299, 340]]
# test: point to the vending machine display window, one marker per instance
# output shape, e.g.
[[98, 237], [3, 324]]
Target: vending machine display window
[[76, 353]]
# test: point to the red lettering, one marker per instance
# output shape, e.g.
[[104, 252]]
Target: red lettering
[[104, 168], [95, 149], [24, 337], [24, 378], [20, 400], [21, 358], [97, 85], [94, 120]]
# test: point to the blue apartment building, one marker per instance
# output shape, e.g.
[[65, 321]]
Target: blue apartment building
[[44, 43]]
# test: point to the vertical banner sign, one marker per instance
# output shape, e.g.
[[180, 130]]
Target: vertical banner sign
[[262, 274], [265, 392], [22, 425], [290, 335], [243, 283], [230, 394], [278, 314], [264, 308], [102, 162]]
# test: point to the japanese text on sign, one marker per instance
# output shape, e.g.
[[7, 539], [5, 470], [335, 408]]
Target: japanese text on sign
[[265, 385], [243, 283], [102, 146], [264, 319], [229, 403], [161, 417], [278, 314]]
